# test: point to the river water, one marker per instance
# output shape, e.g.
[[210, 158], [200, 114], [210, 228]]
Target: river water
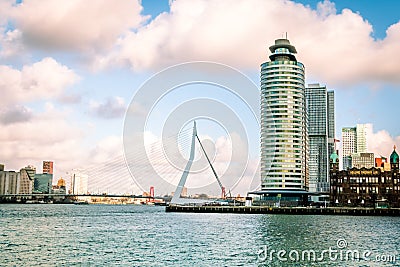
[[126, 235]]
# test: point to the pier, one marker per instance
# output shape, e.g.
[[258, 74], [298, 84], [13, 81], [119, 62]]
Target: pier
[[349, 211]]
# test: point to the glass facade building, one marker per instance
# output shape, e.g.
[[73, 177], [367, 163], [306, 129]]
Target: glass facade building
[[43, 183], [321, 130], [284, 144]]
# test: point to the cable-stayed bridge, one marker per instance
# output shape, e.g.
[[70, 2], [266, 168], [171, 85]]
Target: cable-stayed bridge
[[161, 167]]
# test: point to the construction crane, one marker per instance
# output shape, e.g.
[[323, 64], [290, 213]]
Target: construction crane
[[223, 192]]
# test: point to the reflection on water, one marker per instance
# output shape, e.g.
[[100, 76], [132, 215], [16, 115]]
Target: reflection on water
[[101, 235]]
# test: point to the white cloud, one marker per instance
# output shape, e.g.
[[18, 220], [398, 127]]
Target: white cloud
[[213, 30], [49, 136], [106, 149], [75, 24], [381, 142], [113, 107], [5, 7], [42, 80], [326, 8], [48, 128], [52, 136], [240, 35], [15, 114], [11, 44], [70, 98]]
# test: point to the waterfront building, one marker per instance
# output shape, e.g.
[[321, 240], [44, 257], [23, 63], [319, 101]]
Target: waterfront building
[[321, 133], [9, 182], [43, 183], [369, 187], [353, 142], [284, 144], [26, 180], [48, 167], [79, 183]]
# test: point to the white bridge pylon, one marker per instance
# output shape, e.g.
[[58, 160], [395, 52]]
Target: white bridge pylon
[[177, 199]]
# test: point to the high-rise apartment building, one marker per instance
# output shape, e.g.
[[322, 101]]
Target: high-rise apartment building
[[26, 180], [353, 142], [321, 130], [348, 146], [9, 182], [284, 151], [361, 139], [48, 167]]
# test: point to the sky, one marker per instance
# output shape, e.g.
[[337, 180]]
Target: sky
[[69, 72]]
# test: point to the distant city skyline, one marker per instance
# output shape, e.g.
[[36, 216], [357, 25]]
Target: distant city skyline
[[66, 83]]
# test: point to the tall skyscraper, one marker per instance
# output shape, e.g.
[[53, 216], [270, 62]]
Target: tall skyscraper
[[331, 122], [353, 141], [348, 146], [361, 139], [321, 129], [284, 152]]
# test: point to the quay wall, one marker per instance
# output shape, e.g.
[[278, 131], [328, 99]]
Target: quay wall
[[286, 210]]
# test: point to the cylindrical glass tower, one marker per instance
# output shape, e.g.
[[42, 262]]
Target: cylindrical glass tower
[[283, 120]]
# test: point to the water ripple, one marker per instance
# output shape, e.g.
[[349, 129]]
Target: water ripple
[[101, 235]]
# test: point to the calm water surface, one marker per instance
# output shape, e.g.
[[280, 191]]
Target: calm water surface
[[102, 235]]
